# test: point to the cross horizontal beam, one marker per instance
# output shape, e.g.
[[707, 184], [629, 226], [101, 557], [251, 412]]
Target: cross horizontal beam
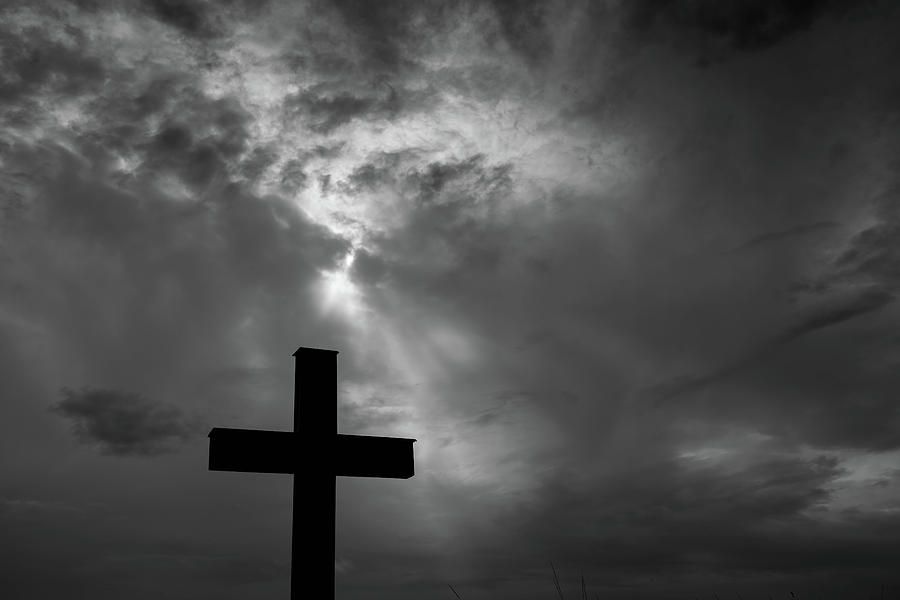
[[260, 451]]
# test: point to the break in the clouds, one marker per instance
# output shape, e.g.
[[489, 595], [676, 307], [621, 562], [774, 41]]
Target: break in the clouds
[[627, 271], [123, 423]]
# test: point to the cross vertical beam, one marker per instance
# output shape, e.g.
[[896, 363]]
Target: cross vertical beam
[[315, 427]]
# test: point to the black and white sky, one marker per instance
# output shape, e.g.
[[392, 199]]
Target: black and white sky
[[627, 270]]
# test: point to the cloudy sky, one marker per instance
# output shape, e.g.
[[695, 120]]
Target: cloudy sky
[[627, 270]]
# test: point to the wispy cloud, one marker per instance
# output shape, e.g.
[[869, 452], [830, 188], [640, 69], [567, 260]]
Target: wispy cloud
[[777, 236], [869, 301]]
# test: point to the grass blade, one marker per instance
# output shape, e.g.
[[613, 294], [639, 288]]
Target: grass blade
[[556, 582]]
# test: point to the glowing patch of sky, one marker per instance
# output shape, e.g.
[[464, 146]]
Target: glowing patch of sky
[[869, 483], [732, 448], [518, 127]]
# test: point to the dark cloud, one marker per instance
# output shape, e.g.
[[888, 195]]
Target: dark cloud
[[191, 17], [834, 388], [198, 145], [325, 110], [258, 161], [293, 178], [450, 225], [695, 512], [742, 25], [379, 171], [124, 423], [379, 25], [471, 175], [524, 26], [777, 236], [874, 253], [694, 523], [384, 30], [866, 302], [328, 113], [53, 67], [545, 207]]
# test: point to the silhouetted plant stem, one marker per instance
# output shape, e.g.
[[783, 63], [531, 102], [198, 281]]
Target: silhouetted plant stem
[[556, 582]]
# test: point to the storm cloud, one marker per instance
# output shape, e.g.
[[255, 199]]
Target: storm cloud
[[627, 271], [124, 423]]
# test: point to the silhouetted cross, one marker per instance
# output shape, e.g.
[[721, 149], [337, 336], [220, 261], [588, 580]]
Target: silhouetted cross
[[316, 454]]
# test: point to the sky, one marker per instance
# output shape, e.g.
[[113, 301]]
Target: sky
[[627, 271]]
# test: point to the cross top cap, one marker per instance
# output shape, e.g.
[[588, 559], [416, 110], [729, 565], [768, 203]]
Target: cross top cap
[[305, 350]]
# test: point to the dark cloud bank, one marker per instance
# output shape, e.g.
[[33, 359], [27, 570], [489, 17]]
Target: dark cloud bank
[[123, 423], [627, 270]]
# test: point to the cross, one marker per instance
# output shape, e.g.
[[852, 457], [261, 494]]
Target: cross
[[315, 453]]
